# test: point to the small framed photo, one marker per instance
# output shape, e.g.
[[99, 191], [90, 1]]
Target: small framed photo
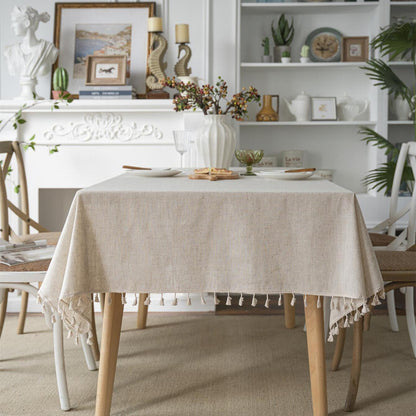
[[355, 49], [106, 70], [324, 108]]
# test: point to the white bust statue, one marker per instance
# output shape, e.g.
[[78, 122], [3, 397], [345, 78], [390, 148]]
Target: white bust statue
[[31, 57]]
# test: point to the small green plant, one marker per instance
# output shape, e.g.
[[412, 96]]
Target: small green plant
[[286, 54], [60, 79], [266, 46], [304, 52], [284, 32]]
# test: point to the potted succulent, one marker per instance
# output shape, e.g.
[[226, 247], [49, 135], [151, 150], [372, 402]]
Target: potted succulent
[[304, 54], [285, 57], [283, 34], [266, 50], [60, 84], [394, 42], [217, 139]]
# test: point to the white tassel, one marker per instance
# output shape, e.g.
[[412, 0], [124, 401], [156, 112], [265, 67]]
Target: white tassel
[[254, 301], [188, 301], [382, 294], [203, 301], [175, 300], [318, 303], [365, 309], [96, 298], [267, 303], [336, 329], [345, 305], [305, 304], [357, 316], [123, 299], [147, 301], [351, 319], [241, 300], [293, 301], [229, 299], [346, 322], [162, 301], [375, 301], [135, 300], [279, 302], [216, 300], [331, 335]]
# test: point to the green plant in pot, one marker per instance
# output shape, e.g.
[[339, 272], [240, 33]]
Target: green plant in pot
[[396, 41], [60, 84], [266, 50], [283, 34], [285, 57]]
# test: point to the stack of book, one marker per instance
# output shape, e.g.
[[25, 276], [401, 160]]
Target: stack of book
[[110, 92]]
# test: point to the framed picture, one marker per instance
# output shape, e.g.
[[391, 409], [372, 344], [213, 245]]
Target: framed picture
[[102, 29], [106, 70], [324, 108], [355, 49]]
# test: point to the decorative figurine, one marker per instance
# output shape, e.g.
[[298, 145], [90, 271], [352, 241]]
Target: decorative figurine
[[266, 58], [182, 38], [304, 54], [156, 65], [32, 57]]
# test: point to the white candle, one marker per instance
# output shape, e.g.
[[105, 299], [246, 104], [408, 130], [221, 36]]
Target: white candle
[[182, 33], [154, 24]]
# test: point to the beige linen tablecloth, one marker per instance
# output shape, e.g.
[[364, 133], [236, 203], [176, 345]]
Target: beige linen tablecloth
[[253, 235]]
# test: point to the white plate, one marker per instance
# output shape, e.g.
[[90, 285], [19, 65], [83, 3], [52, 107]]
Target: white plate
[[155, 173], [281, 174]]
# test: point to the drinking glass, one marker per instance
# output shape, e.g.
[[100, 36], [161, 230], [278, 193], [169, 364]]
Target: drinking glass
[[182, 140]]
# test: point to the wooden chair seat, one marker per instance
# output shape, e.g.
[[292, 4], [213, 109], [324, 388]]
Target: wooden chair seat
[[34, 266], [398, 261], [380, 240]]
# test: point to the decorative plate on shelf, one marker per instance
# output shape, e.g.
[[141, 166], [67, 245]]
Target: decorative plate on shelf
[[325, 45]]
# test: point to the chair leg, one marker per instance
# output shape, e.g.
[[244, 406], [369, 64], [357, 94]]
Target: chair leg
[[88, 353], [339, 349], [58, 349], [391, 307], [142, 311], [95, 347], [357, 353], [410, 317], [4, 294], [290, 317], [22, 314], [102, 301]]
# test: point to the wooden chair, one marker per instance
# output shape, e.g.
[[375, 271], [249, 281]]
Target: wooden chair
[[25, 276], [397, 261]]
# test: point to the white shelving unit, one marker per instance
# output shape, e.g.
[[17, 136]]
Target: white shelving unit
[[333, 145]]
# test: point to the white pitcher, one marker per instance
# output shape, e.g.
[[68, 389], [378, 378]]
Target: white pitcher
[[300, 107], [350, 109]]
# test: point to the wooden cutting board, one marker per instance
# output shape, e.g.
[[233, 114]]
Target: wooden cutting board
[[216, 177]]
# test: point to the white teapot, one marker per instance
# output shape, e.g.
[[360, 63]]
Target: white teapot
[[350, 109], [300, 107]]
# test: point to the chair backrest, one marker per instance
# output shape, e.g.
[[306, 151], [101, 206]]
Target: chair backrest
[[7, 150], [407, 236]]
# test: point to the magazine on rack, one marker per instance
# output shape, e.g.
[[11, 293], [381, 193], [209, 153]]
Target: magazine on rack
[[13, 254]]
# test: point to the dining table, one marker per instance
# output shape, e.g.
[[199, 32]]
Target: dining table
[[248, 236]]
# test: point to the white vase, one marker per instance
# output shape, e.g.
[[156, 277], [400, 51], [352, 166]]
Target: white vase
[[216, 142], [401, 109]]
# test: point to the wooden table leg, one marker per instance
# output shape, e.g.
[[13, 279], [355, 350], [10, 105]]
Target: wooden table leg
[[316, 352], [339, 349], [113, 314], [290, 319], [142, 311]]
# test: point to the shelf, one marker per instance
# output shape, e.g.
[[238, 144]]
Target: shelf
[[299, 65], [400, 63], [307, 8], [400, 122], [305, 123], [402, 3]]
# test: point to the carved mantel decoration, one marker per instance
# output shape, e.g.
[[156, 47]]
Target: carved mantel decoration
[[103, 127]]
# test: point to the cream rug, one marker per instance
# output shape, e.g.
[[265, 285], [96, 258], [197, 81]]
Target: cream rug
[[206, 365]]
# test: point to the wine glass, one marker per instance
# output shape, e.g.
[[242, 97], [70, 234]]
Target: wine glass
[[182, 140]]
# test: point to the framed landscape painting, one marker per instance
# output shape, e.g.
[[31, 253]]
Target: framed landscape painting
[[102, 29]]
